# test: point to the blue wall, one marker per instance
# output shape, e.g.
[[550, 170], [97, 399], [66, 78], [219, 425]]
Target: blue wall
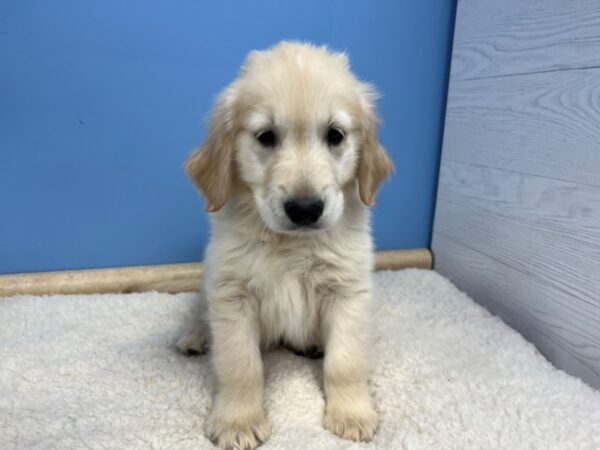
[[101, 102]]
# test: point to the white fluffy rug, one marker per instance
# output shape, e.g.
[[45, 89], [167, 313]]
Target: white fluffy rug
[[101, 371]]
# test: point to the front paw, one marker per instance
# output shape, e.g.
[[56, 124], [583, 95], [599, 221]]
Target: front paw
[[351, 423], [243, 433]]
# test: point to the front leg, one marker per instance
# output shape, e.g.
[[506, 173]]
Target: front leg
[[349, 411], [237, 419]]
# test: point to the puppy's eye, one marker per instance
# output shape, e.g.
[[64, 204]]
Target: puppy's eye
[[267, 138], [334, 136]]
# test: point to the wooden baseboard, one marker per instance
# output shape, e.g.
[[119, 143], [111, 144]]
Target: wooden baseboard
[[163, 278]]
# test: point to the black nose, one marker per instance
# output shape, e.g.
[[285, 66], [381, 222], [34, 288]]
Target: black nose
[[304, 211]]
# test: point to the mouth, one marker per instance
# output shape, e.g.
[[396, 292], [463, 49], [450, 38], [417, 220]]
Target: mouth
[[304, 229]]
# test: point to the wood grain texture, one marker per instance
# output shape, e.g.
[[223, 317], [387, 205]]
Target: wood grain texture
[[517, 221], [543, 124], [163, 278], [506, 37], [542, 237]]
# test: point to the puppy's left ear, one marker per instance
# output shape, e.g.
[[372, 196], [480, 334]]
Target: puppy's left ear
[[374, 164]]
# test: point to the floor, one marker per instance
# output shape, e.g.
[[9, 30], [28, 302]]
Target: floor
[[101, 371]]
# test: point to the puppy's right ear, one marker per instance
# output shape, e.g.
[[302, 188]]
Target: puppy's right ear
[[211, 166]]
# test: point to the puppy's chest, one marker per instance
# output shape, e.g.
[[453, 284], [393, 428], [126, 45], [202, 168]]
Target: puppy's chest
[[290, 288]]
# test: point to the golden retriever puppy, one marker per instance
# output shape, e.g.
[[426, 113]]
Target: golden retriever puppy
[[290, 165]]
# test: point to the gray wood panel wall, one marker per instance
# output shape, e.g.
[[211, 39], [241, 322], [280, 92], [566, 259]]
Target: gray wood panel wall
[[517, 221]]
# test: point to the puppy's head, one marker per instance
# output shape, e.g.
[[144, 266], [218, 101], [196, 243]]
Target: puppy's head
[[298, 130]]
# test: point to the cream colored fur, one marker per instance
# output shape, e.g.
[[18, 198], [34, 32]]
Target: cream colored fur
[[267, 282]]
